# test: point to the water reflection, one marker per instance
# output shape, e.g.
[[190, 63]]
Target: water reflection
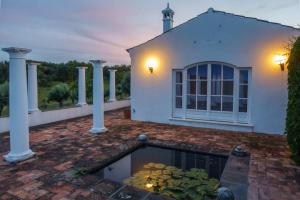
[[134, 162]]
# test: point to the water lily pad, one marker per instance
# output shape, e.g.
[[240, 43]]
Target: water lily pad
[[159, 166], [149, 165], [175, 183]]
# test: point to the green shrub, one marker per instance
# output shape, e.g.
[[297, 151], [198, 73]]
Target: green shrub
[[3, 71], [73, 92], [293, 109], [106, 92], [5, 111], [59, 93], [125, 83], [3, 96], [119, 91]]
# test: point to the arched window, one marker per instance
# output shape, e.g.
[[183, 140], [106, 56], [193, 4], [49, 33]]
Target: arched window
[[211, 90]]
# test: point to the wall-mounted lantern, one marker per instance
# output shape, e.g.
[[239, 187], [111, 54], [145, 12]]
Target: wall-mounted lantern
[[151, 64], [280, 59], [149, 185]]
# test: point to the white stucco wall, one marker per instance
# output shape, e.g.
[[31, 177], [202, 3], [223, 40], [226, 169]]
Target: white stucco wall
[[214, 36], [39, 118]]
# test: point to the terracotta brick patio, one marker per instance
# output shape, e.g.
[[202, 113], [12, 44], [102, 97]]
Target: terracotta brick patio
[[68, 145]]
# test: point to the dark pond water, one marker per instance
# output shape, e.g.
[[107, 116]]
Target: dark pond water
[[134, 162]]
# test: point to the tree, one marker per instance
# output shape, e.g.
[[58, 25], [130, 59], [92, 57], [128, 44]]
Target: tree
[[59, 93], [3, 95], [49, 74], [293, 109]]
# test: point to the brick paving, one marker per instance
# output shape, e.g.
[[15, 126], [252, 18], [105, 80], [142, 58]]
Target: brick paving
[[66, 146]]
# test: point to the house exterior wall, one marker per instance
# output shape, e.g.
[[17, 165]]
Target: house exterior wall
[[221, 37]]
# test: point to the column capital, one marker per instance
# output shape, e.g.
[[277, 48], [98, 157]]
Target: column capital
[[15, 52], [81, 67], [112, 69], [33, 63], [97, 62]]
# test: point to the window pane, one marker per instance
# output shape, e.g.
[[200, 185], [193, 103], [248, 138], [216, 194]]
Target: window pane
[[201, 102], [191, 102], [243, 105], [227, 87], [243, 91], [227, 103], [178, 77], [178, 102], [227, 72], [191, 87], [216, 103], [244, 76], [202, 87], [215, 71], [191, 73], [178, 90], [202, 72], [216, 87]]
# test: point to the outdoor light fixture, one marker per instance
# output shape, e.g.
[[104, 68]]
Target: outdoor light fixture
[[280, 59], [151, 64], [149, 185]]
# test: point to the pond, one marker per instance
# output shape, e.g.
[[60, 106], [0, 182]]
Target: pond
[[161, 164]]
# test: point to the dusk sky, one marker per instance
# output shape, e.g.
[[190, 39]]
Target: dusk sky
[[62, 30]]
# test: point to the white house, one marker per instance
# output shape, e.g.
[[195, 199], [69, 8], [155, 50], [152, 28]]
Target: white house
[[216, 70]]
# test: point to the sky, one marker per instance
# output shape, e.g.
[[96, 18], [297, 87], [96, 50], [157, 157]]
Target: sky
[[63, 30]]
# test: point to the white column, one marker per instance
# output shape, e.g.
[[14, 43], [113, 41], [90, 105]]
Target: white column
[[98, 97], [32, 87], [112, 85], [81, 86], [18, 106]]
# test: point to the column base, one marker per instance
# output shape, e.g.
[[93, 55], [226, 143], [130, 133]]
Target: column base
[[33, 110], [11, 157], [112, 100], [81, 104], [97, 130]]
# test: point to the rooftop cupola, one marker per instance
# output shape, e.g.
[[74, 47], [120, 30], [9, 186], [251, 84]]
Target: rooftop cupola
[[168, 14]]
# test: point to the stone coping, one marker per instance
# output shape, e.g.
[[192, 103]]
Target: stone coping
[[234, 176]]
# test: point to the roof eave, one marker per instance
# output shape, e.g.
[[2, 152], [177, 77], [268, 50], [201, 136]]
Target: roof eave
[[153, 38]]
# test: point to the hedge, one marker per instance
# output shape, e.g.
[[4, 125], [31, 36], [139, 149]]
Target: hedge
[[293, 109]]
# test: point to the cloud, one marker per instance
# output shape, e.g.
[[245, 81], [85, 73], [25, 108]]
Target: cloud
[[275, 5], [69, 27], [61, 30]]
